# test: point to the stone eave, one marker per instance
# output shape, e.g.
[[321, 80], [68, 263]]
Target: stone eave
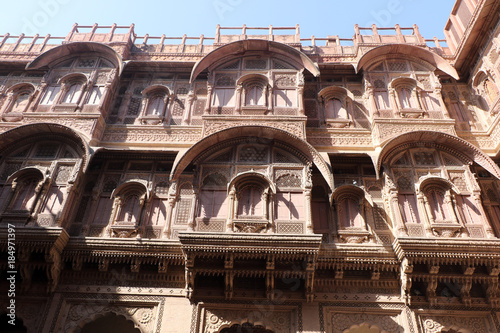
[[353, 254], [36, 238], [448, 251], [250, 244], [123, 248]]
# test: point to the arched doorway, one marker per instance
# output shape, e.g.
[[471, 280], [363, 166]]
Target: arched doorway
[[246, 328], [110, 323]]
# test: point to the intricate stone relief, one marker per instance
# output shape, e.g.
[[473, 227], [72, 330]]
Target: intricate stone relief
[[436, 324], [278, 321], [162, 135], [295, 127], [142, 317], [86, 126], [340, 322], [339, 139], [386, 130]]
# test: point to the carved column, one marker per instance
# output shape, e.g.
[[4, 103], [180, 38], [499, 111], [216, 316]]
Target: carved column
[[168, 217], [170, 109], [422, 206], [300, 93], [487, 226], [394, 205], [230, 214], [117, 203], [309, 224], [11, 196], [428, 210], [94, 201], [194, 208], [60, 94], [393, 100], [41, 190], [270, 103], [189, 106], [172, 196], [444, 109], [239, 90], [270, 211], [8, 102], [208, 102], [400, 225], [448, 201]]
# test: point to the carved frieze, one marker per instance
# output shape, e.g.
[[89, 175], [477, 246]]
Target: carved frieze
[[385, 130], [343, 321], [435, 324], [156, 135], [293, 126], [337, 138], [278, 321]]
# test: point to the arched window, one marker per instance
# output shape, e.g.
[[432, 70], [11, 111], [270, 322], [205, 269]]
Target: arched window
[[128, 208], [25, 193], [156, 106], [250, 202], [254, 89], [73, 93], [337, 103], [18, 101], [254, 95], [438, 201], [405, 98], [349, 212], [349, 201], [130, 201], [21, 102], [335, 109], [50, 95], [156, 103]]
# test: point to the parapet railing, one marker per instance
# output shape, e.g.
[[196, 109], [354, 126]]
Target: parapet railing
[[203, 44]]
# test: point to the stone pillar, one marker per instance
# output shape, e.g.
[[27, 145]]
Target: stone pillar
[[487, 226], [371, 102], [172, 198], [309, 224], [439, 95], [168, 218], [422, 208], [233, 204], [209, 99], [194, 209], [189, 106], [393, 100], [300, 93], [400, 225], [239, 89], [8, 102]]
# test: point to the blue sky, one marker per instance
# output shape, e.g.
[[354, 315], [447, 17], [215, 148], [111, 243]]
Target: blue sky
[[194, 17]]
